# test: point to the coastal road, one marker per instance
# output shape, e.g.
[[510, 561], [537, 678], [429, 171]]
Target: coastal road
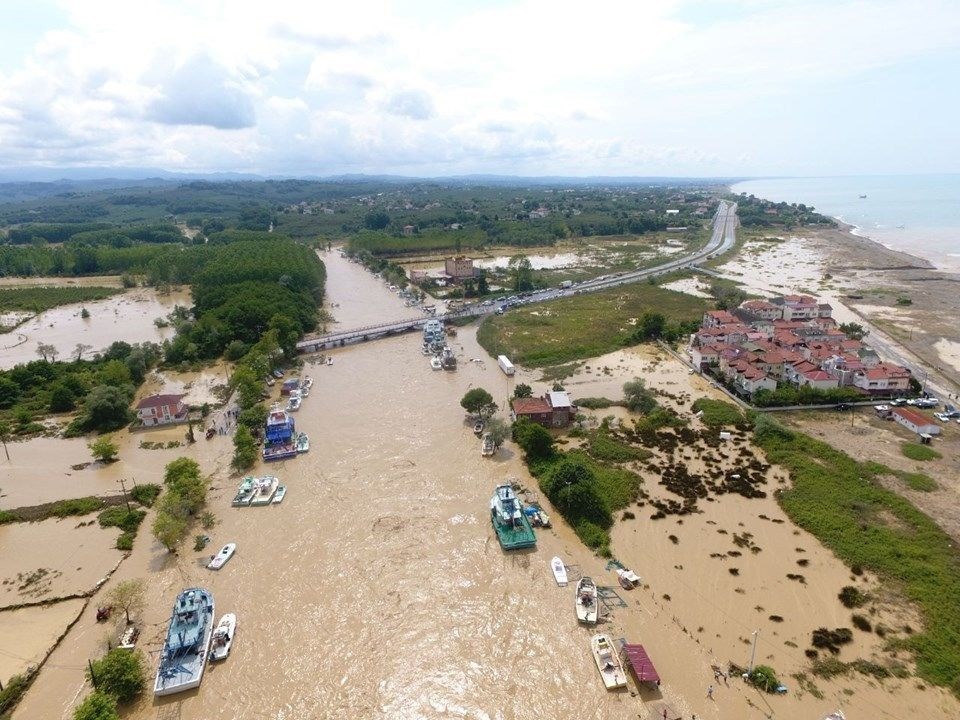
[[722, 239]]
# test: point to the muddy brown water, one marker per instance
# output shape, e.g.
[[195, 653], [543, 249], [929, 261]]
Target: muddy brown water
[[378, 590]]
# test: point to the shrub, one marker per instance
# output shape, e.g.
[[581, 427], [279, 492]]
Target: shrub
[[637, 398], [119, 516], [244, 449], [852, 597], [595, 403], [120, 673], [12, 692], [125, 541], [145, 494], [104, 449], [97, 706], [860, 622], [534, 439], [765, 678], [76, 506]]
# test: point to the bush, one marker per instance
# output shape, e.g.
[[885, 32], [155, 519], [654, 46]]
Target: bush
[[125, 541], [104, 449], [637, 398], [98, 706], [595, 403], [533, 439], [145, 494], [861, 623], [717, 413], [120, 673], [244, 449], [12, 692], [921, 453], [77, 506], [765, 678], [852, 597], [119, 516]]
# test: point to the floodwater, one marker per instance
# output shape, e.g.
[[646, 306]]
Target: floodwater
[[128, 316], [378, 590], [29, 632]]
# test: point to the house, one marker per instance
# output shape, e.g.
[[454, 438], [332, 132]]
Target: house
[[704, 355], [762, 310], [882, 379], [554, 409], [459, 268], [161, 410], [817, 379], [716, 318], [408, 230], [915, 421]]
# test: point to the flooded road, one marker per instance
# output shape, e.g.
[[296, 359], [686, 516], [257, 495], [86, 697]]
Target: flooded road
[[128, 316], [378, 590]]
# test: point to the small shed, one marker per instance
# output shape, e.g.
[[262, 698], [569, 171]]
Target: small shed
[[915, 421], [641, 664]]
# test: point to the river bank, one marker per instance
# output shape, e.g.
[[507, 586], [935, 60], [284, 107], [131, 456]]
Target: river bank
[[377, 589]]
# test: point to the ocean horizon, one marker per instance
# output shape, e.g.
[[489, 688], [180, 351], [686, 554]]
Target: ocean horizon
[[916, 214]]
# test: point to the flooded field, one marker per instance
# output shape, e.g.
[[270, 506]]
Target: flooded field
[[378, 590], [128, 316], [29, 632]]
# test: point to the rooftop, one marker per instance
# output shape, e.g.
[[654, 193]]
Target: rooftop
[[158, 401]]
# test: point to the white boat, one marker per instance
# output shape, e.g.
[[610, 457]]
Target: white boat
[[307, 383], [265, 488], [586, 601], [280, 494], [220, 559], [305, 392], [559, 571], [223, 637], [293, 404], [488, 448], [303, 443], [329, 361], [435, 363], [608, 662], [628, 578], [129, 637]]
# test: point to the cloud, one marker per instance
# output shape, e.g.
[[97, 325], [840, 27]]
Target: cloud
[[201, 92], [414, 104]]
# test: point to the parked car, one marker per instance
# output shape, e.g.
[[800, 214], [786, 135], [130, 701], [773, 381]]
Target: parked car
[[278, 374], [942, 417], [926, 402], [844, 406], [897, 402]]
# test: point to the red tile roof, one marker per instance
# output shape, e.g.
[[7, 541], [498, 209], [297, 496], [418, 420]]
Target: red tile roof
[[158, 401], [531, 406], [913, 416], [816, 375]]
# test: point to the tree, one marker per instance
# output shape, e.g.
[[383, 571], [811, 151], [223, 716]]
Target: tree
[[652, 326], [534, 439], [522, 272], [478, 402], [61, 399], [47, 352], [120, 673], [853, 330], [169, 529], [98, 706], [80, 349], [498, 430], [522, 390], [244, 449], [483, 288], [128, 595], [4, 436], [115, 373], [106, 408], [376, 220], [9, 392], [104, 449], [637, 397]]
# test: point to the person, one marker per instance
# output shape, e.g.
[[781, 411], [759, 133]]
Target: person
[[726, 679], [710, 693]]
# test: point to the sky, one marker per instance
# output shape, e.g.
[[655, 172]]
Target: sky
[[713, 88]]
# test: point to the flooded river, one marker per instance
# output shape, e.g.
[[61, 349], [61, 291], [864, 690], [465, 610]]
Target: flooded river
[[378, 590]]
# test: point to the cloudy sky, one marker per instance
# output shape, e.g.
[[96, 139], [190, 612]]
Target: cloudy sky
[[444, 87]]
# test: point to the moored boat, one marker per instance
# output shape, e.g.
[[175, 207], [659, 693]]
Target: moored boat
[[245, 492], [220, 559], [293, 404], [265, 488], [628, 578], [280, 494], [586, 601], [448, 361], [488, 448], [303, 443], [184, 653], [608, 662], [478, 428], [435, 363], [509, 521], [559, 571], [223, 637]]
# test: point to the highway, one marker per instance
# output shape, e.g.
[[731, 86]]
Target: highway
[[722, 239]]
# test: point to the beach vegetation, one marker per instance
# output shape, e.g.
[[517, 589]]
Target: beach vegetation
[[104, 449], [97, 706], [120, 673], [842, 503], [718, 413], [918, 452]]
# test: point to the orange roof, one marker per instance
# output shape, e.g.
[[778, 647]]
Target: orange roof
[[913, 416]]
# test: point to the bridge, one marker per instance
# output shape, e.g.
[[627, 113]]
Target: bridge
[[721, 240]]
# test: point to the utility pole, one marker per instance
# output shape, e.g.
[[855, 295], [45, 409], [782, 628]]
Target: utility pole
[[93, 677], [753, 651], [125, 496]]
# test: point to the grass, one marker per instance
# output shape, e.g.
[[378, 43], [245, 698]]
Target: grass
[[717, 413], [839, 501], [38, 299], [581, 326], [76, 506], [918, 481], [918, 452], [603, 446], [560, 372]]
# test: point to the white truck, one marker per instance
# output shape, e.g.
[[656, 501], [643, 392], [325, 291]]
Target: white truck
[[566, 284], [504, 362]]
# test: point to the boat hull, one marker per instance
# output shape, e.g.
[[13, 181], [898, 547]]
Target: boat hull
[[559, 571], [608, 662], [188, 666]]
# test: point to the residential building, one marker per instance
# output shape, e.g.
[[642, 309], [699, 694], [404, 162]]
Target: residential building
[[161, 410], [459, 268], [554, 409], [408, 230], [883, 378]]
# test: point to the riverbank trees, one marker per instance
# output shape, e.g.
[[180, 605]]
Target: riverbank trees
[[185, 493]]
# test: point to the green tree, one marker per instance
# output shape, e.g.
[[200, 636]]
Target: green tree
[[287, 332], [244, 449], [169, 529], [106, 408], [376, 220], [120, 673], [104, 449], [498, 430], [522, 390], [478, 402], [483, 287], [4, 436], [534, 439], [521, 272], [61, 399], [115, 373], [129, 596], [9, 392], [637, 397], [854, 331], [97, 706], [651, 326]]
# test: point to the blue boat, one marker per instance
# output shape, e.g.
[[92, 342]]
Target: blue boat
[[185, 650], [280, 435]]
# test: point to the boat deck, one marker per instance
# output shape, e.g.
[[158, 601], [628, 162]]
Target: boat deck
[[515, 537]]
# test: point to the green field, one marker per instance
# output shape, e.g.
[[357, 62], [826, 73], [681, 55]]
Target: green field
[[582, 326], [38, 299]]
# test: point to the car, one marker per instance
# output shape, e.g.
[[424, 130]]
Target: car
[[844, 406], [897, 402], [278, 374], [942, 417], [500, 311], [926, 403]]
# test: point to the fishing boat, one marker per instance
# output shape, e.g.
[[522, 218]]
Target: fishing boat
[[478, 428], [586, 601], [488, 448], [303, 443], [293, 404], [628, 578], [509, 521], [559, 571], [265, 488], [244, 492], [435, 363], [608, 662], [280, 435], [220, 559], [223, 637], [280, 494], [184, 653]]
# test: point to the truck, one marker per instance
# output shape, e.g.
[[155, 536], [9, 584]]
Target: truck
[[566, 284], [504, 362]]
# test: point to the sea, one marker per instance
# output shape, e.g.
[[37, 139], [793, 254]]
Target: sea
[[917, 214]]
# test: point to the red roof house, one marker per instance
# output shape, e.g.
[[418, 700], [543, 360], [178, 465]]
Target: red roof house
[[161, 410]]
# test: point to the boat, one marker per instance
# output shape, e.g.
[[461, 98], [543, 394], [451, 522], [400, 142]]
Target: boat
[[293, 404], [329, 361], [223, 637], [280, 435], [307, 383], [129, 637], [280, 494], [586, 601], [265, 488], [184, 653], [608, 662], [488, 448], [559, 571], [244, 493], [863, 196], [448, 361], [303, 443], [435, 363], [509, 521], [628, 578], [305, 392], [220, 559], [478, 428]]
